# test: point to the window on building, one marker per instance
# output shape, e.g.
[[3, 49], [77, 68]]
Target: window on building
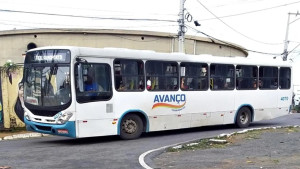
[[284, 78], [268, 77], [129, 75], [246, 77], [193, 76], [161, 75], [221, 77]]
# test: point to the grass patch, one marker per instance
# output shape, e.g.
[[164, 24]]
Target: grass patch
[[232, 139], [292, 129], [201, 144], [275, 161], [255, 134]]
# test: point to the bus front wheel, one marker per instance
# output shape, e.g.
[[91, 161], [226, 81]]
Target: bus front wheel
[[131, 127], [243, 117]]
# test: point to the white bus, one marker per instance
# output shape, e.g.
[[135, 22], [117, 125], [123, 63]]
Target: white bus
[[86, 92]]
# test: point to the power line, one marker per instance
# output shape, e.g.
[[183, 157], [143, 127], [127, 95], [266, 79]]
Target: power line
[[23, 24], [249, 50], [235, 29], [294, 48], [249, 12], [88, 17], [41, 5]]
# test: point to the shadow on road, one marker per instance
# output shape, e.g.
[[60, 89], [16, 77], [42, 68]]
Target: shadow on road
[[105, 139], [81, 141]]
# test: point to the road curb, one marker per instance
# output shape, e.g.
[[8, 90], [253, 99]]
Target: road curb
[[147, 166], [23, 136]]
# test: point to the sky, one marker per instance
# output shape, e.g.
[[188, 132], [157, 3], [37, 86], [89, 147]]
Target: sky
[[257, 25]]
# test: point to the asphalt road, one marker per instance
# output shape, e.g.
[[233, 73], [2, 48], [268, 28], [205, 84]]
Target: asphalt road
[[107, 152]]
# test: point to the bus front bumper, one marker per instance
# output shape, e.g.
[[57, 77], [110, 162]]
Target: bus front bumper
[[67, 129]]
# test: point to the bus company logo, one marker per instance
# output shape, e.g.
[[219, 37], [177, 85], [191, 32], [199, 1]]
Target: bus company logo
[[176, 102]]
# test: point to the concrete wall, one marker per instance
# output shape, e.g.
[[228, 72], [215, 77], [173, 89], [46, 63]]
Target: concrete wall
[[13, 44]]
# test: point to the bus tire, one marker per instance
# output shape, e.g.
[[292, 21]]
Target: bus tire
[[131, 127], [243, 117]]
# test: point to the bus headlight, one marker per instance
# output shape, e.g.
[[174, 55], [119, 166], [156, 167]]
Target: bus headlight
[[27, 117], [64, 118]]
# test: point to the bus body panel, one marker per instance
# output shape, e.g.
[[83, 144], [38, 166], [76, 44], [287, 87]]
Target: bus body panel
[[93, 117], [165, 110]]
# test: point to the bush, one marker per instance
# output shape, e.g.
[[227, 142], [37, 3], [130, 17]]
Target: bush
[[297, 108]]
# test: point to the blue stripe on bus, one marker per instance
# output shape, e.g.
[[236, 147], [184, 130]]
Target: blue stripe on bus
[[52, 128], [130, 111], [244, 105]]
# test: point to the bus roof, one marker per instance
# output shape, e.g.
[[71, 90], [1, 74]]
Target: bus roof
[[152, 55]]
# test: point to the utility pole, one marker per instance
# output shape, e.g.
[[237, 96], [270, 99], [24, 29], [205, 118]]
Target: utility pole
[[181, 30], [286, 42]]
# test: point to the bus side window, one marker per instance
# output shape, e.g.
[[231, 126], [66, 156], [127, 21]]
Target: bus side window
[[222, 76], [162, 74], [246, 77], [96, 79], [268, 77], [129, 75], [284, 78], [193, 76]]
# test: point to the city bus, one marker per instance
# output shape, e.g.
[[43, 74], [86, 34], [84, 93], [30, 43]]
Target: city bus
[[87, 92]]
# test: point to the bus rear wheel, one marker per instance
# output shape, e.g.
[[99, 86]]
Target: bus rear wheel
[[243, 118], [131, 127]]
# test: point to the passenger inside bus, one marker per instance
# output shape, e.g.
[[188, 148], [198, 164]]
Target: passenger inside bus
[[92, 85], [148, 84], [121, 86], [203, 71], [141, 84], [182, 84]]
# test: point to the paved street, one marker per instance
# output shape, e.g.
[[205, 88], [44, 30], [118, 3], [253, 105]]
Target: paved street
[[107, 152]]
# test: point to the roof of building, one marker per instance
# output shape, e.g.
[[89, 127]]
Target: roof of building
[[118, 32]]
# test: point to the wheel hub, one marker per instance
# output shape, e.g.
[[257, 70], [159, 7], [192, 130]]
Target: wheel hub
[[244, 118], [130, 126]]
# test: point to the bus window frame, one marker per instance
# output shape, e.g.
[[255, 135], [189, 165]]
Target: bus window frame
[[255, 78], [261, 81], [91, 98], [200, 77], [290, 76], [117, 87], [157, 77], [211, 78]]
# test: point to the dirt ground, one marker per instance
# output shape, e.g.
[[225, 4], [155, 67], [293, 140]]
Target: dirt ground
[[267, 149]]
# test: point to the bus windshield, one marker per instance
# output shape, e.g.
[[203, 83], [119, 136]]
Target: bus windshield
[[46, 79]]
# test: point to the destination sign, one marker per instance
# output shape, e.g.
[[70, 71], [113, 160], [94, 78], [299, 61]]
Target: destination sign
[[48, 56]]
